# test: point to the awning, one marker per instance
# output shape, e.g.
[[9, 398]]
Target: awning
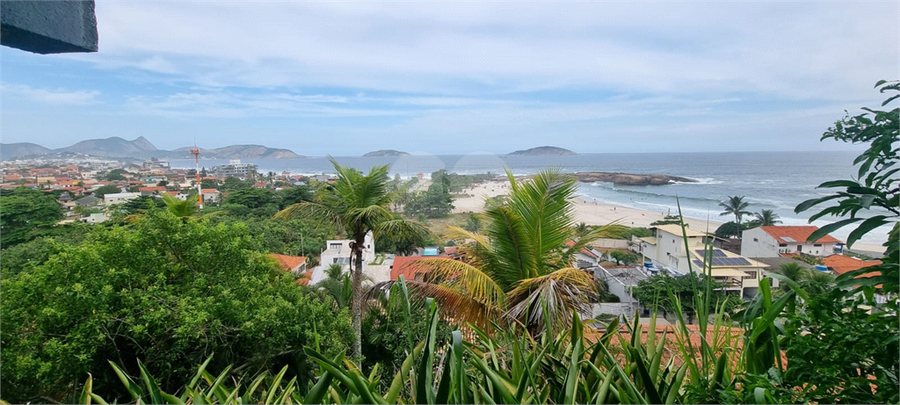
[[720, 272]]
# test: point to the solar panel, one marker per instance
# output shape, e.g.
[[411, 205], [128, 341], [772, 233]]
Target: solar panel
[[715, 253], [788, 239], [725, 261]]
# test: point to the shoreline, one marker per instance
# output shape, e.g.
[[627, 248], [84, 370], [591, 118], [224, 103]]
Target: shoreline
[[601, 213]]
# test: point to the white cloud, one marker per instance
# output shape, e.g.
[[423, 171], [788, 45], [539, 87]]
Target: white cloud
[[806, 50], [57, 96]]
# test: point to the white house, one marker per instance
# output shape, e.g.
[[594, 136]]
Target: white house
[[774, 241], [210, 195], [666, 251], [584, 258], [338, 251], [119, 198]]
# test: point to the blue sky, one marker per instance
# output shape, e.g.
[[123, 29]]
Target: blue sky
[[344, 78]]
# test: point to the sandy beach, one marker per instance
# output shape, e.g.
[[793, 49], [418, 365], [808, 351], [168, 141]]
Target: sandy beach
[[597, 213], [589, 212]]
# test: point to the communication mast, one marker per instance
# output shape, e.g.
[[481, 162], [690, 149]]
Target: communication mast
[[196, 152]]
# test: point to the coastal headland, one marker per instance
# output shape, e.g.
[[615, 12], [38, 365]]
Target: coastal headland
[[627, 179]]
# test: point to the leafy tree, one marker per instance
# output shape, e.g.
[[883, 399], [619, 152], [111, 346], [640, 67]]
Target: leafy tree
[[735, 205], [107, 189], [294, 195], [624, 257], [209, 183], [436, 201], [402, 244], [234, 183], [252, 198], [141, 204], [116, 175], [876, 191], [165, 291], [729, 229], [357, 204], [519, 262], [25, 211], [653, 292]]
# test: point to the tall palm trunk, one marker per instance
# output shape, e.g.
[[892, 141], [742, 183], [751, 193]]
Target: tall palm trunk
[[356, 302]]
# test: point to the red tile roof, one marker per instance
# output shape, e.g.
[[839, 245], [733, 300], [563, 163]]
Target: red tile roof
[[842, 264], [288, 263], [405, 265], [304, 279], [799, 234], [585, 251], [209, 190]]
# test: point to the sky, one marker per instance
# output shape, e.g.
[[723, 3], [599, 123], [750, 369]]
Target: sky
[[346, 77]]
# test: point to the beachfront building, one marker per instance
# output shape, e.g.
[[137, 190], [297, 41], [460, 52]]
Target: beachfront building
[[665, 252], [234, 168], [774, 241]]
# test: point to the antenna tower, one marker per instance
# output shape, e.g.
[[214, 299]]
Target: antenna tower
[[196, 152]]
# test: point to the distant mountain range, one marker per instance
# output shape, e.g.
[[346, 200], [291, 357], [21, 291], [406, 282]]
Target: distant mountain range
[[116, 147], [543, 151]]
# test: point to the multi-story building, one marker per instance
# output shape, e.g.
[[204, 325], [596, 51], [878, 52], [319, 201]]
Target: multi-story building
[[234, 168], [668, 251]]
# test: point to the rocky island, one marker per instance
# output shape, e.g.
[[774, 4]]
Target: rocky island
[[543, 151], [626, 179], [386, 153]]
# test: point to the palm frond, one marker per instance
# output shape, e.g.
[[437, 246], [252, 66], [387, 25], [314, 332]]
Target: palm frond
[[551, 297], [461, 307], [544, 206], [308, 209], [511, 246], [464, 278]]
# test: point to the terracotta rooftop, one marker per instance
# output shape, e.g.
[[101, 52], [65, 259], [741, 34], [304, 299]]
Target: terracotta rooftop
[[585, 251], [842, 264], [288, 263], [404, 265], [796, 234]]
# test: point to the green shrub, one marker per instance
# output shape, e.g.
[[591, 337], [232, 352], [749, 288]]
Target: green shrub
[[167, 291]]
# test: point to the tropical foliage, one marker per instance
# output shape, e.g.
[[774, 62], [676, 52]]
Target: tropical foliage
[[167, 291], [735, 205], [520, 267], [25, 213], [356, 204]]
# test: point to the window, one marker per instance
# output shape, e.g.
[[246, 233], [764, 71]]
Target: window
[[755, 240], [817, 245], [336, 246], [782, 245]]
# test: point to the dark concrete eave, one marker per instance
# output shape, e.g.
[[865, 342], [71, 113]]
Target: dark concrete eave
[[47, 27]]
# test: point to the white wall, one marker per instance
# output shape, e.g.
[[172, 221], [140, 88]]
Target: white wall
[[758, 243]]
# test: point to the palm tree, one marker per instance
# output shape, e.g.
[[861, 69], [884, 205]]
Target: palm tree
[[520, 268], [767, 218], [337, 285], [356, 204], [582, 229], [735, 205], [182, 208], [818, 282], [794, 271]]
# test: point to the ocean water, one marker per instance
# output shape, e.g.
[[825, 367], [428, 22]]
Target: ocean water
[[768, 180]]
